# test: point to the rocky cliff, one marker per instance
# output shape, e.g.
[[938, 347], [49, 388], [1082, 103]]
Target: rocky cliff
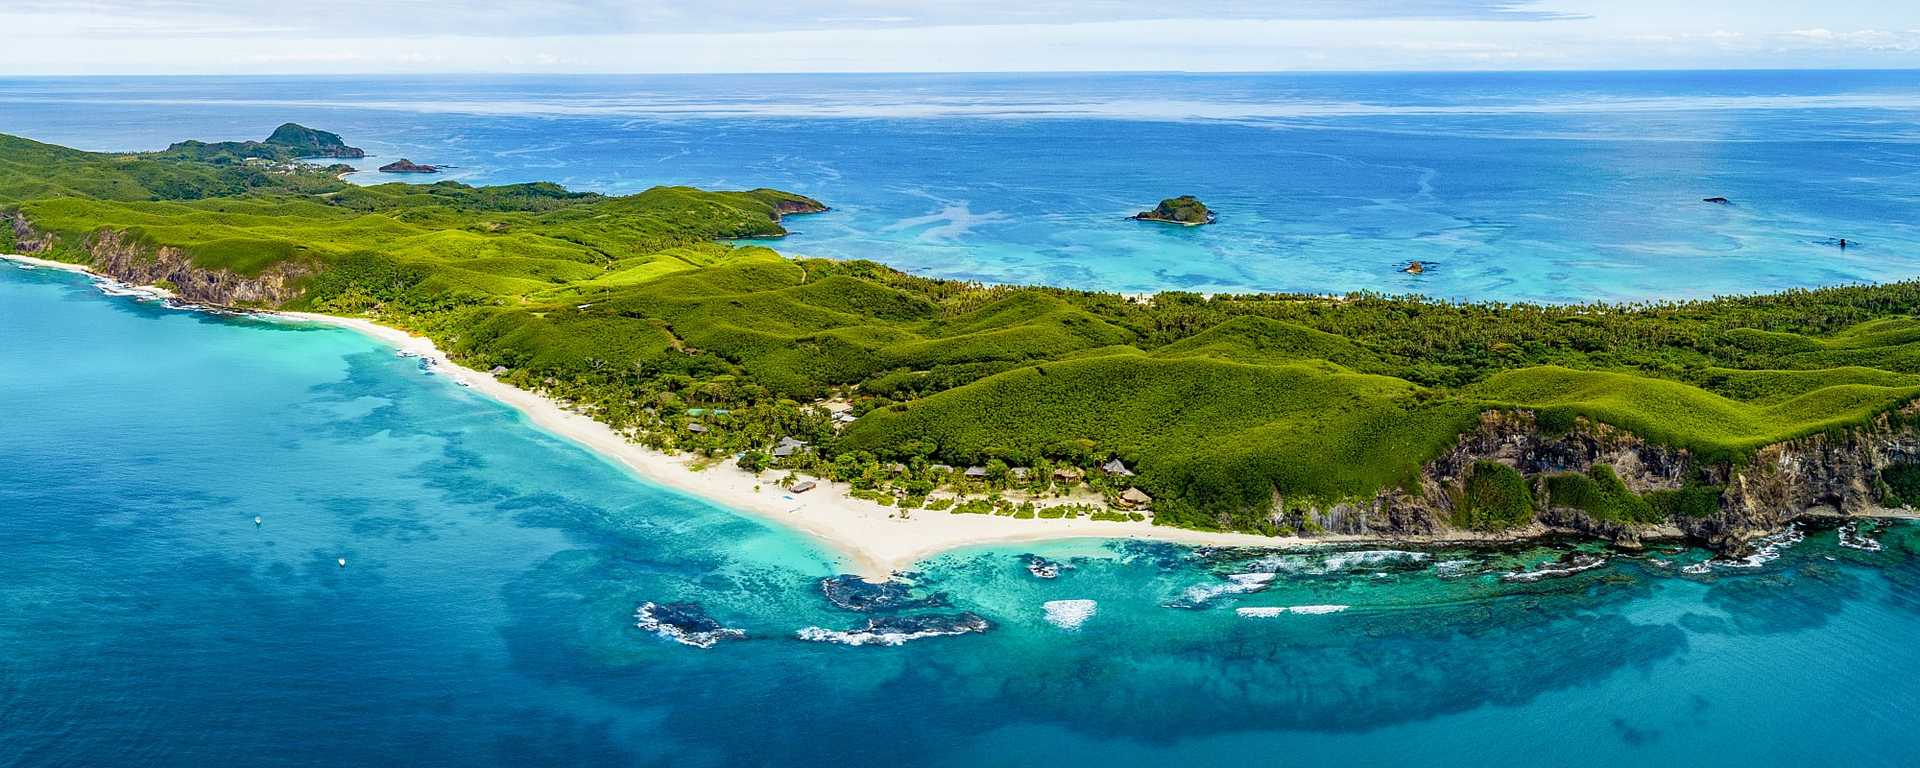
[[113, 253], [1833, 473]]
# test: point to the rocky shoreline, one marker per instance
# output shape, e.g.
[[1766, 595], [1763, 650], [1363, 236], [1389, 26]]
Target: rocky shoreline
[[1821, 476]]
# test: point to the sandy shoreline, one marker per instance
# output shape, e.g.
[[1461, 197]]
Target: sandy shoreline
[[871, 538]]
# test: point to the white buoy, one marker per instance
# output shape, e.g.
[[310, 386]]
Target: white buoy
[[256, 521], [343, 562]]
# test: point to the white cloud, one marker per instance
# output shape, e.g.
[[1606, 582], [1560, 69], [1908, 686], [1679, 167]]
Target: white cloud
[[1863, 39], [422, 36]]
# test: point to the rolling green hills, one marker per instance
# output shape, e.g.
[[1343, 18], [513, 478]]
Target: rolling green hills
[[639, 310]]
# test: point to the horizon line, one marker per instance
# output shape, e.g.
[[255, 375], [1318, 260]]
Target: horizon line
[[918, 72]]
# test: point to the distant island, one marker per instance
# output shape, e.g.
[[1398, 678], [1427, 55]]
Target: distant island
[[404, 165], [1185, 210], [287, 143], [922, 400]]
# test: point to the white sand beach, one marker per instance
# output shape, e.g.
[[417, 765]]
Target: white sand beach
[[874, 539]]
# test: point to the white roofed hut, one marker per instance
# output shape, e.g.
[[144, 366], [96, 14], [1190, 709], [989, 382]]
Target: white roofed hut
[[788, 447], [1115, 468], [976, 473], [1134, 498]]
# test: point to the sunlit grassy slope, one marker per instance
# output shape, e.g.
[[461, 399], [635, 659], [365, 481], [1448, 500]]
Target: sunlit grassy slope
[[638, 308]]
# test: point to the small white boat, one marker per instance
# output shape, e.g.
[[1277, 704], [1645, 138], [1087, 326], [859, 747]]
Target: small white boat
[[256, 521], [343, 562]]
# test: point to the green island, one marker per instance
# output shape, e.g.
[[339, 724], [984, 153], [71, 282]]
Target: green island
[[1273, 413], [1185, 210]]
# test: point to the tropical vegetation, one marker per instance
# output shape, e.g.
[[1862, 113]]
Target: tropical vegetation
[[647, 312]]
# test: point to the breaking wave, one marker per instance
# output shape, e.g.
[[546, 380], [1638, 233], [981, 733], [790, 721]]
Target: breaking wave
[[1852, 538], [899, 630], [1069, 614], [1198, 595], [1267, 612], [684, 623], [1338, 562], [1766, 550], [1568, 565]]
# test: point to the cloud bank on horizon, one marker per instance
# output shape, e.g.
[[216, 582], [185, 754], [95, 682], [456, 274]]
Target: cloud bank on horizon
[[406, 36]]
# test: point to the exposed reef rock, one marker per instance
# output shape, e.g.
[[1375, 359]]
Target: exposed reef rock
[[404, 165], [1185, 210], [1716, 200]]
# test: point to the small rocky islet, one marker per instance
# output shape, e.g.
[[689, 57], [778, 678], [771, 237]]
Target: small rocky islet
[[1185, 210], [404, 165]]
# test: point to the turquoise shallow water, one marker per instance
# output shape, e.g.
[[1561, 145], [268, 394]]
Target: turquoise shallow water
[[487, 612], [1562, 187]]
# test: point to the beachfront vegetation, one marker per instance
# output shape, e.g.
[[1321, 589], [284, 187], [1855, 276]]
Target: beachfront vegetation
[[641, 311]]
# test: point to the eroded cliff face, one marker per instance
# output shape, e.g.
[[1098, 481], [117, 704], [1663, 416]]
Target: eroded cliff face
[[797, 207], [113, 253], [1825, 474], [1833, 473]]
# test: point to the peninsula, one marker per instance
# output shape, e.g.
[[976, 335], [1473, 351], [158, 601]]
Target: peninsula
[[941, 413]]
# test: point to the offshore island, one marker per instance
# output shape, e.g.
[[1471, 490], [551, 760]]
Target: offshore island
[[895, 416]]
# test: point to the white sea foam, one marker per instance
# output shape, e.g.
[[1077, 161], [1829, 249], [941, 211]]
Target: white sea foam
[[1450, 569], [896, 631], [1852, 538], [1556, 570], [112, 287], [1766, 550], [1235, 584], [1268, 612], [1335, 562], [648, 618], [1069, 614]]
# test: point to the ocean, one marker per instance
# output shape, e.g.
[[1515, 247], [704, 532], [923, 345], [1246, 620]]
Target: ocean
[[1564, 187], [508, 598]]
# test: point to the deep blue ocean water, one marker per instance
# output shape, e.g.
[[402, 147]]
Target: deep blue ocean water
[[1560, 187], [486, 614]]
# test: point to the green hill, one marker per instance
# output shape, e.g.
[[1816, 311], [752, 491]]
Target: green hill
[[641, 311]]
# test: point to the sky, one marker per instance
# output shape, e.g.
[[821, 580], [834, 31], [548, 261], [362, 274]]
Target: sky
[[48, 37]]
